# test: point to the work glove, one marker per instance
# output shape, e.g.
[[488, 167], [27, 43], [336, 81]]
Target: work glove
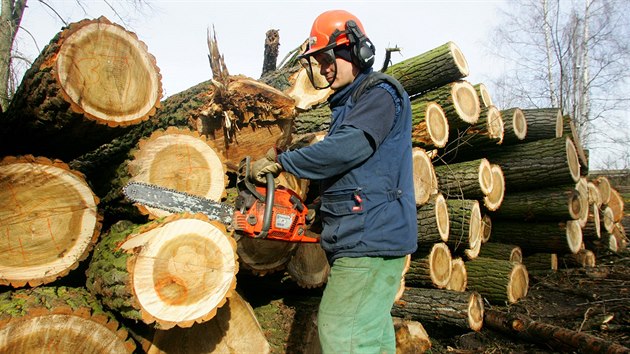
[[267, 164]]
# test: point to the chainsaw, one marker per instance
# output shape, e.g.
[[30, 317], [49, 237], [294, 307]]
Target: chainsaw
[[263, 213]]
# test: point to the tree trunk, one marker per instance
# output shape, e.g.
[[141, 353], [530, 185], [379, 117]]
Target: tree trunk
[[442, 308], [584, 258], [545, 204], [541, 263], [176, 271], [465, 226], [541, 123], [458, 100], [433, 221], [488, 131], [501, 251], [546, 237], [262, 257], [270, 57], [459, 276], [430, 266], [234, 329], [429, 125], [48, 218], [514, 126], [537, 164], [315, 120], [486, 228], [94, 76], [424, 180], [178, 159], [309, 266], [431, 69], [498, 280], [465, 180], [58, 320], [558, 338]]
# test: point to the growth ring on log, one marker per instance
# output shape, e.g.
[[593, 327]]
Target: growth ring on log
[[424, 178], [466, 101], [108, 73], [441, 217], [573, 160], [437, 124], [48, 220]]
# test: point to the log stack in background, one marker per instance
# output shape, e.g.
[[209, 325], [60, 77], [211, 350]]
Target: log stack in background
[[485, 177]]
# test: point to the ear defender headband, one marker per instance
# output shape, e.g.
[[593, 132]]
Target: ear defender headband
[[362, 48]]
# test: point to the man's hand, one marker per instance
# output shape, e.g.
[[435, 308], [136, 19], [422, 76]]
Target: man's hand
[[267, 164]]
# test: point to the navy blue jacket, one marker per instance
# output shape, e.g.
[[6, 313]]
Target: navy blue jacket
[[364, 166]]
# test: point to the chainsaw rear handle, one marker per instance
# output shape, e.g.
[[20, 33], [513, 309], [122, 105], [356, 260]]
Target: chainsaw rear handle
[[271, 188]]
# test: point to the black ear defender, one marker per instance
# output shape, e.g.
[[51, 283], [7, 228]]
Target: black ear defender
[[362, 48]]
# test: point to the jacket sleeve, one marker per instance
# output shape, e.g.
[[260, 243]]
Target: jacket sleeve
[[336, 154]]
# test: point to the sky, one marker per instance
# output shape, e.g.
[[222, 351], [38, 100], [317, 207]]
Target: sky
[[176, 31]]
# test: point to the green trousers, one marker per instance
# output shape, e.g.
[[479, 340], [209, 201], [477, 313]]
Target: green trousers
[[355, 311]]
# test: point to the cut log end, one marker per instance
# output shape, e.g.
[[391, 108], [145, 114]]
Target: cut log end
[[459, 59], [484, 94], [574, 236], [575, 204], [466, 101], [459, 278], [474, 233], [573, 160], [183, 271], [437, 124], [519, 124], [100, 49], [441, 217], [494, 199], [495, 124], [603, 185], [48, 217], [425, 180], [440, 263], [518, 284], [485, 176], [486, 228], [475, 311]]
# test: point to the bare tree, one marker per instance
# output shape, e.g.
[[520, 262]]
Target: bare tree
[[10, 20], [573, 55]]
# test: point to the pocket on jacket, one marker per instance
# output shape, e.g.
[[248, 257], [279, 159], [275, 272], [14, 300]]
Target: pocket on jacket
[[343, 220]]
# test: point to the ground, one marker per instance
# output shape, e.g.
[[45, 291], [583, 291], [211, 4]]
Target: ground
[[590, 300]]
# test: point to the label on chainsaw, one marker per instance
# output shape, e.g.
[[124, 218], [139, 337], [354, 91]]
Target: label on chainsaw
[[284, 221], [177, 202]]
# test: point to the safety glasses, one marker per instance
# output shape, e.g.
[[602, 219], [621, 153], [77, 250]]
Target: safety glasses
[[313, 63]]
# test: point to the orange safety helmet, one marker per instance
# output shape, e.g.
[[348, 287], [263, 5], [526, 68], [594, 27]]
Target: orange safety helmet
[[337, 28]]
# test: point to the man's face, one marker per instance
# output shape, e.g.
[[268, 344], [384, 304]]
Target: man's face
[[341, 71]]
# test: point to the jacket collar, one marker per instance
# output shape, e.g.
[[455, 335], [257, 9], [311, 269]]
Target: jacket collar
[[341, 96]]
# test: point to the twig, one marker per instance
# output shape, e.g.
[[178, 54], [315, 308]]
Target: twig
[[603, 301]]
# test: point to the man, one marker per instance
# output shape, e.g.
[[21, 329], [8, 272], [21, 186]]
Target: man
[[364, 167]]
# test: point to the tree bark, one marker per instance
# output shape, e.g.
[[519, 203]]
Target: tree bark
[[540, 163], [541, 263], [59, 320], [9, 25], [498, 280], [465, 180], [541, 123], [309, 266], [270, 57], [545, 237], [441, 307], [502, 251], [411, 337], [487, 132], [429, 125], [546, 204], [176, 271], [484, 95], [465, 227], [430, 266], [433, 221], [431, 69], [459, 102], [558, 338], [48, 218], [262, 257], [514, 127], [94, 76]]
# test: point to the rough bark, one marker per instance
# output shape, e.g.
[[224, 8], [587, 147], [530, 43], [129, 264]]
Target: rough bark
[[314, 120], [262, 257], [546, 204], [309, 266], [488, 131], [584, 258], [444, 308], [176, 271], [48, 218], [498, 280], [430, 266], [76, 97], [60, 320], [545, 237], [465, 180], [433, 221], [541, 263], [270, 56], [431, 69], [501, 251], [541, 123], [558, 338], [429, 125]]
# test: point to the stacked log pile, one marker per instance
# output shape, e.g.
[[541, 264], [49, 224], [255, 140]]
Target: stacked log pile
[[494, 188]]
